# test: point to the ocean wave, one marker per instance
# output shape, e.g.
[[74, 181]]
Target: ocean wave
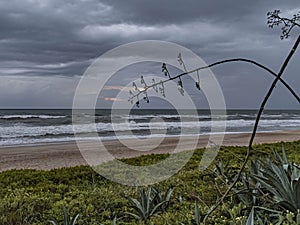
[[175, 116], [35, 131], [47, 126], [10, 117]]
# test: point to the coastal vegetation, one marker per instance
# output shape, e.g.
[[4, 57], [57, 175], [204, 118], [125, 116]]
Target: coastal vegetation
[[267, 191]]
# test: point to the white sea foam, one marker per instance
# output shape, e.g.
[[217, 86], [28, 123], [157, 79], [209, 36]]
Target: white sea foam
[[31, 116], [41, 127]]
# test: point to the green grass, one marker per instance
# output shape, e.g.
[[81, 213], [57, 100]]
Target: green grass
[[32, 197]]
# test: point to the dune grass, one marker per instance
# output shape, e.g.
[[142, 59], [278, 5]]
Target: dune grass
[[33, 197]]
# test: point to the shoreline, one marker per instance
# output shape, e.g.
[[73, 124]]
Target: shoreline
[[36, 144], [46, 156]]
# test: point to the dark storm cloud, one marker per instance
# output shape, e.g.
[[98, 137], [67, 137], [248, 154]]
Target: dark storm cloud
[[64, 31], [52, 38], [46, 31], [178, 11]]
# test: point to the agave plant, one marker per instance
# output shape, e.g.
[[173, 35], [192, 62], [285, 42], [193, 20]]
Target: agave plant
[[198, 216], [279, 179], [160, 197], [267, 188], [150, 203], [67, 220]]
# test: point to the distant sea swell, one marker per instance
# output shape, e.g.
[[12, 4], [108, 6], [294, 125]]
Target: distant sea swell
[[19, 127]]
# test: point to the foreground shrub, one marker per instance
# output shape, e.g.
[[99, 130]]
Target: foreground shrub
[[150, 203], [32, 197]]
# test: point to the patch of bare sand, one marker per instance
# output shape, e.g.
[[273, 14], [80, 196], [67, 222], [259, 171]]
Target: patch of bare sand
[[50, 156]]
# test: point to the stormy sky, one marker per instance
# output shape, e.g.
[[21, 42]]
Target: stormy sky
[[46, 46]]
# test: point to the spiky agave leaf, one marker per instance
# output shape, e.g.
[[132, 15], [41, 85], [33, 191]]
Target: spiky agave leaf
[[160, 197], [250, 220], [150, 203], [66, 218], [276, 178], [73, 221], [53, 221], [198, 216]]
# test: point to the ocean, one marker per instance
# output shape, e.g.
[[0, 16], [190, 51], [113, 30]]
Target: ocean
[[20, 127]]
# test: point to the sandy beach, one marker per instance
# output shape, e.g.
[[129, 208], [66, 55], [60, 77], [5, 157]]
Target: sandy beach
[[58, 155]]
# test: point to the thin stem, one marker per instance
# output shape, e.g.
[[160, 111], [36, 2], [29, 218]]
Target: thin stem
[[283, 19], [278, 77], [265, 100], [219, 63]]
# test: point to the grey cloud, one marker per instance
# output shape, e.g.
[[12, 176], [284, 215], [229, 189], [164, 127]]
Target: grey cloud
[[61, 38], [176, 11]]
